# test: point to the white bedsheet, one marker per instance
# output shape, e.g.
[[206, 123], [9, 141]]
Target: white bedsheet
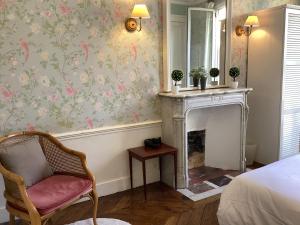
[[266, 196]]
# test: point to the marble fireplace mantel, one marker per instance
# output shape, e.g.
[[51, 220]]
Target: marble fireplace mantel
[[175, 111]]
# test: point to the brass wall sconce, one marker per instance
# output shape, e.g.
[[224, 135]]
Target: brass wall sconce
[[251, 22], [140, 11]]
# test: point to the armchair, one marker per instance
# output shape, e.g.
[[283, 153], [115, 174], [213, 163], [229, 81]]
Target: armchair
[[69, 181]]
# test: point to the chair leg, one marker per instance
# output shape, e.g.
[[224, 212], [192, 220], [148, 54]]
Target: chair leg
[[11, 219], [95, 200]]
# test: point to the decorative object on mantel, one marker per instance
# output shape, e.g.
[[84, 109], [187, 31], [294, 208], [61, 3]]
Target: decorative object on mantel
[[140, 11], [153, 143], [214, 72], [177, 76], [203, 78], [195, 74], [102, 221], [234, 72]]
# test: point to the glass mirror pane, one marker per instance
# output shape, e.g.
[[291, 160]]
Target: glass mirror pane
[[198, 38]]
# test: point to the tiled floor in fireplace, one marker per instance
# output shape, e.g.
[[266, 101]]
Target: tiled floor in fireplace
[[202, 179]]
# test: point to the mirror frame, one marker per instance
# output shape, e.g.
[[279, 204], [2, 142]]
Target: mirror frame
[[167, 82]]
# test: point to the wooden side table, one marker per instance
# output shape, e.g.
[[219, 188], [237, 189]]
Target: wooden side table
[[142, 154]]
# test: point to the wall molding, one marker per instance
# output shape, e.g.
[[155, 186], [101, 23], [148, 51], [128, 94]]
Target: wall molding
[[107, 130]]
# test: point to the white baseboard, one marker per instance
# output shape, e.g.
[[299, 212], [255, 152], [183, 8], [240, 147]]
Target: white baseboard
[[113, 186]]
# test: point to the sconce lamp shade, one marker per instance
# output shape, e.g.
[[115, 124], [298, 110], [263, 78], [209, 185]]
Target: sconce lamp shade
[[252, 21], [140, 11]]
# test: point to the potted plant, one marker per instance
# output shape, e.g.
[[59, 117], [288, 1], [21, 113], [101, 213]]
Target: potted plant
[[203, 77], [214, 72], [177, 76], [195, 74], [234, 72]]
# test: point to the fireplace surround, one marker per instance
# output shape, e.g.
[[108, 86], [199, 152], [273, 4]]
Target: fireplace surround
[[222, 113]]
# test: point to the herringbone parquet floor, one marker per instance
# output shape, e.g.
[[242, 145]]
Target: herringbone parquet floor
[[163, 207]]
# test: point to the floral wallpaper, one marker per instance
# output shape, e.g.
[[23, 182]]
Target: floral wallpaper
[[67, 65], [241, 9]]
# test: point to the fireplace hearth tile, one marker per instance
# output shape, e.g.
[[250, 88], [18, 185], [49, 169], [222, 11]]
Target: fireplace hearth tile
[[220, 181], [200, 188]]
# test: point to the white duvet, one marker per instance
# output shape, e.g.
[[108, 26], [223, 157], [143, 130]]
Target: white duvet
[[266, 196]]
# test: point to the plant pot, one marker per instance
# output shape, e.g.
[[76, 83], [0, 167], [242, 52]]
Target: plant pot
[[203, 83], [234, 84], [214, 83], [195, 82], [175, 90]]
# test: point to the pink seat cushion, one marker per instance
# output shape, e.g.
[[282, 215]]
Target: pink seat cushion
[[57, 191]]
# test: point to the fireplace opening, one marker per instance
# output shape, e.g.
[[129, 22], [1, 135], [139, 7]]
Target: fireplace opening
[[196, 149], [203, 178]]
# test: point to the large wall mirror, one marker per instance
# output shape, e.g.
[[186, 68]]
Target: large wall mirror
[[196, 34]]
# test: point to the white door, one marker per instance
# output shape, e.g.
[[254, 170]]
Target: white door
[[290, 121]]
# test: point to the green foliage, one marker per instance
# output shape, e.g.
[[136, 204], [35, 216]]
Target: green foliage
[[234, 72], [177, 75], [214, 72], [198, 73]]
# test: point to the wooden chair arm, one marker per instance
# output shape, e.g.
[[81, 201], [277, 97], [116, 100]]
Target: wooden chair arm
[[11, 176], [82, 158], [23, 200]]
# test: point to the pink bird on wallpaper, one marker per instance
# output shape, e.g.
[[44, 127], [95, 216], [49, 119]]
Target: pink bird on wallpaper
[[85, 49], [65, 10], [136, 116], [133, 50], [2, 5], [89, 122], [70, 91], [121, 87], [117, 8], [118, 13], [6, 93], [25, 48]]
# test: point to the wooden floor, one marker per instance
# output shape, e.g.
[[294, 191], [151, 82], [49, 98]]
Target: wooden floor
[[163, 207]]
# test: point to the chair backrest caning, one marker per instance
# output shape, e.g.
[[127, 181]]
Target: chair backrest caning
[[59, 160]]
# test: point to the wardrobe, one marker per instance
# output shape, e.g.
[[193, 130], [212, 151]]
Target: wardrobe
[[274, 74]]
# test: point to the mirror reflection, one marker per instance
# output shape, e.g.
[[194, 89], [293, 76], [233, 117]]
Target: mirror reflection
[[198, 40]]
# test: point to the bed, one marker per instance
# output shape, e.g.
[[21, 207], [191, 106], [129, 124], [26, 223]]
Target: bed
[[266, 196]]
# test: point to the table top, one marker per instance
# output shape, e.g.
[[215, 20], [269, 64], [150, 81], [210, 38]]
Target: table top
[[146, 153]]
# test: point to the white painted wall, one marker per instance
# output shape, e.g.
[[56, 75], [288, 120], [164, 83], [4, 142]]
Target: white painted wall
[[106, 151]]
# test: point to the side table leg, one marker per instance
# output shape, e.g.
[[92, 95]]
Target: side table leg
[[144, 178], [130, 168], [160, 170], [175, 169]]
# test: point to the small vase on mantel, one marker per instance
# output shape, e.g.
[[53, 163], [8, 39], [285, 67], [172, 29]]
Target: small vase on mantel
[[234, 84], [203, 80], [195, 81], [175, 89], [177, 76], [234, 72]]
